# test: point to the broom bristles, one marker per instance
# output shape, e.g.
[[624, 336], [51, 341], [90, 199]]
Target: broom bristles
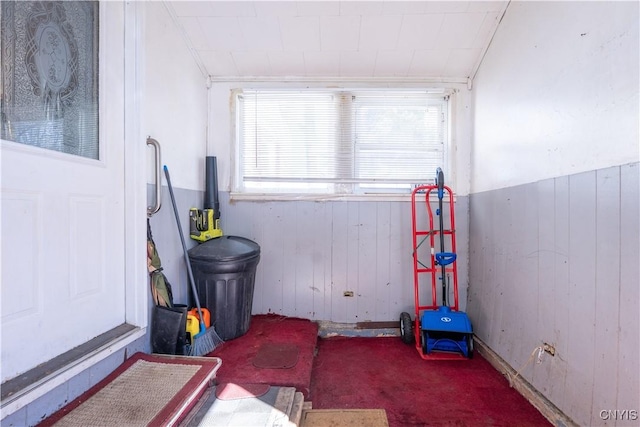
[[205, 342]]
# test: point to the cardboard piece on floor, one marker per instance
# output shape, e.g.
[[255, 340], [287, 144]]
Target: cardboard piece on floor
[[344, 418], [276, 356], [233, 391]]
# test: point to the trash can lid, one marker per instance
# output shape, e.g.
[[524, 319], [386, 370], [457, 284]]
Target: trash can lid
[[225, 249]]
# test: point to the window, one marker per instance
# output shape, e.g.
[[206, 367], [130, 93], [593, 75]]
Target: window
[[49, 75], [339, 141]]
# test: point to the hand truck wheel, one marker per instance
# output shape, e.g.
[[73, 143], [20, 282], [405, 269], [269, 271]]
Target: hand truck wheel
[[406, 328]]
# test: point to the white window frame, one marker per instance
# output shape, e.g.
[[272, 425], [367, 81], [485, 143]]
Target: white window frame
[[239, 192]]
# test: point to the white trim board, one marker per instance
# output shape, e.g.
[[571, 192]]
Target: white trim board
[[59, 377]]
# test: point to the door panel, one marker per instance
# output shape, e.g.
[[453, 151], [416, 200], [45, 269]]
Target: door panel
[[20, 260], [63, 230]]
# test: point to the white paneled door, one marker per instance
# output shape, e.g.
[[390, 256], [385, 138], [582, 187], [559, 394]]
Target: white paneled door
[[63, 234]]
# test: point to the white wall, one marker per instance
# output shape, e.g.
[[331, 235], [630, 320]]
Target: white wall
[[554, 208], [175, 103], [555, 93], [175, 114]]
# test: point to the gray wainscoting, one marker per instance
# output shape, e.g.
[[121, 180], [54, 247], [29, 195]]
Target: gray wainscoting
[[557, 261], [312, 252], [167, 238]]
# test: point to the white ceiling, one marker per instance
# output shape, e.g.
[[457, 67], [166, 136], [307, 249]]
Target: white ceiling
[[346, 39]]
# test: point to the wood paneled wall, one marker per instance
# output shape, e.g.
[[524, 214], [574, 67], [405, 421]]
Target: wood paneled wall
[[312, 252], [556, 261]]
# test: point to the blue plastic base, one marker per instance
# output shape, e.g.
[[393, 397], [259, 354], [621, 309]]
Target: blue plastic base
[[446, 330]]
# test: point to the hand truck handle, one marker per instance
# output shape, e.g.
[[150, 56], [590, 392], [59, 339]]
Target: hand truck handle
[[445, 258]]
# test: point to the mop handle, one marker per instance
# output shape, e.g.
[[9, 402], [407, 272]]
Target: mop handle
[[192, 282]]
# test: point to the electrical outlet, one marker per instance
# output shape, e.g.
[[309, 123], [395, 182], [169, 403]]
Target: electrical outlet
[[549, 349]]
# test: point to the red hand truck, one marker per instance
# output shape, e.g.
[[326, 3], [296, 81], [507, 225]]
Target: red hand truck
[[440, 332]]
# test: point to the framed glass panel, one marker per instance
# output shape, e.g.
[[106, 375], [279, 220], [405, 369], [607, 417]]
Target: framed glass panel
[[49, 73]]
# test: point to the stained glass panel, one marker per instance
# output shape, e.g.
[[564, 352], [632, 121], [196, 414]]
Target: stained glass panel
[[49, 73]]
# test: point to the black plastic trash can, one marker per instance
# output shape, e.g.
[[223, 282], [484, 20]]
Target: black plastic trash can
[[224, 270]]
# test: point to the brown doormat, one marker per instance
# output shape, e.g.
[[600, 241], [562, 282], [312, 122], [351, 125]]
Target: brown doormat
[[276, 356], [344, 418], [146, 390]]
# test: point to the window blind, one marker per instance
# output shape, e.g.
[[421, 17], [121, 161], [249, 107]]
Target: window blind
[[337, 140]]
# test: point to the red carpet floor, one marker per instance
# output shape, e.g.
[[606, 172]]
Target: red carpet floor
[[369, 373], [238, 355]]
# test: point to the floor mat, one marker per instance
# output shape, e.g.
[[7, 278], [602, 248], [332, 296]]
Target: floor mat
[[276, 356], [238, 354], [154, 390], [344, 418]]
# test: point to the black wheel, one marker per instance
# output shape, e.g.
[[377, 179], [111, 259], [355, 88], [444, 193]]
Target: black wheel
[[425, 337], [470, 346], [406, 328]]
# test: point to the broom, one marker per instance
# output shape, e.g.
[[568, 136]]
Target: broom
[[206, 340]]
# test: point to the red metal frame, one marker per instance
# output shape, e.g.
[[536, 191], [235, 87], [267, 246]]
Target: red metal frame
[[419, 268]]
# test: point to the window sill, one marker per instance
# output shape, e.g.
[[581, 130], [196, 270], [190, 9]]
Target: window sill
[[272, 197]]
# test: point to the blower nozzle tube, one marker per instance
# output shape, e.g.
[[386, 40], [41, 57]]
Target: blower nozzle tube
[[211, 200]]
